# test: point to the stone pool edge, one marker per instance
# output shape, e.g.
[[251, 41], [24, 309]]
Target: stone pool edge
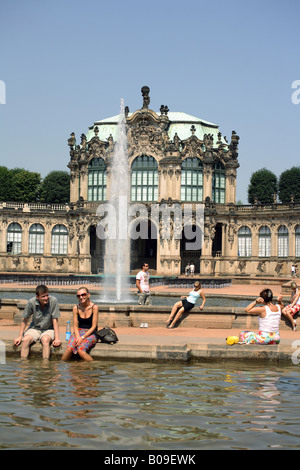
[[281, 354]]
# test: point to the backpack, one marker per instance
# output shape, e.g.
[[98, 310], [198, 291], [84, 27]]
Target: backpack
[[107, 335]]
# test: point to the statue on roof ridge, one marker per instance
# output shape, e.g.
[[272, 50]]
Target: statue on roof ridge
[[146, 98]]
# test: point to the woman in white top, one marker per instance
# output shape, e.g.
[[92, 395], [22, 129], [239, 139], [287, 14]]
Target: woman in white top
[[294, 307], [269, 316], [185, 305]]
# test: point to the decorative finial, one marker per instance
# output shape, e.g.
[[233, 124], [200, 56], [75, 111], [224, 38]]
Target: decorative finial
[[146, 98], [193, 129]]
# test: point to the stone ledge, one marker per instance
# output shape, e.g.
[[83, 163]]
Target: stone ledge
[[178, 353]]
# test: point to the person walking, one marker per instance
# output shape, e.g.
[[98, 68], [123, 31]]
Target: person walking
[[192, 269]]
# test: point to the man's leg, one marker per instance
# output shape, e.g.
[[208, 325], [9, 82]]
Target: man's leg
[[26, 343], [31, 336], [141, 298], [46, 339]]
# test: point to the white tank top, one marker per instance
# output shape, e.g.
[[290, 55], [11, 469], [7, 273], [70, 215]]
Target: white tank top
[[193, 296], [270, 324]]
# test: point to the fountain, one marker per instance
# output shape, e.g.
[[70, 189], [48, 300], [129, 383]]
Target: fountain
[[117, 243]]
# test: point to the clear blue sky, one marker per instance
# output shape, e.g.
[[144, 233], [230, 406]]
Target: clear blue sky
[[66, 64]]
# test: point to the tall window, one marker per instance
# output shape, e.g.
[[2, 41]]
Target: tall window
[[244, 241], [59, 240], [192, 180], [283, 242], [144, 179], [14, 238], [97, 177], [264, 242], [36, 239], [218, 183], [297, 241]]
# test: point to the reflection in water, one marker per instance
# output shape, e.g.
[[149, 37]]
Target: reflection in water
[[120, 406]]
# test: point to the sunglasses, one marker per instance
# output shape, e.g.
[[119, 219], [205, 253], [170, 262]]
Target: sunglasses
[[81, 295]]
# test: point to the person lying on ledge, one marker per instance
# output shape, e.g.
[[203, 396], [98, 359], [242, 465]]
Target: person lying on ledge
[[185, 305], [269, 316], [85, 323]]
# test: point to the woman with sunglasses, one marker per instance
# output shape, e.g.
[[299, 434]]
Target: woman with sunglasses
[[186, 304], [85, 323]]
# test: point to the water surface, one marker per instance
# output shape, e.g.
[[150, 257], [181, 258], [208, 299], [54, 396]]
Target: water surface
[[144, 406], [65, 298]]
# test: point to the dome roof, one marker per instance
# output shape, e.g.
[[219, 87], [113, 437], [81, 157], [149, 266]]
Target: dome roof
[[179, 123]]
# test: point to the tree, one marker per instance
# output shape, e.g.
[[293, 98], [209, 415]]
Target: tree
[[55, 188], [262, 187], [5, 184], [289, 185], [26, 185], [19, 185]]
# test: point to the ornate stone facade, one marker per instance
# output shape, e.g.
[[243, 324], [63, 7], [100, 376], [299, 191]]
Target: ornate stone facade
[[176, 162]]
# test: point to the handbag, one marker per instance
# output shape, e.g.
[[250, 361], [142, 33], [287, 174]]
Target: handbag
[[107, 335]]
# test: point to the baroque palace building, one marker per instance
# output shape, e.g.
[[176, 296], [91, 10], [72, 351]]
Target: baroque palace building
[[175, 161]]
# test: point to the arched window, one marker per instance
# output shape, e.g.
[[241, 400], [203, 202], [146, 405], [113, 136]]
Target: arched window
[[97, 178], [218, 183], [244, 241], [59, 240], [14, 238], [264, 242], [36, 239], [297, 241], [192, 180], [144, 179], [283, 242]]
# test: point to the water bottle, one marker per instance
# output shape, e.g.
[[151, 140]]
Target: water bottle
[[68, 331]]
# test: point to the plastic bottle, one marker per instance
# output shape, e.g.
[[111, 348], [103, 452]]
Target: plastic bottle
[[68, 331]]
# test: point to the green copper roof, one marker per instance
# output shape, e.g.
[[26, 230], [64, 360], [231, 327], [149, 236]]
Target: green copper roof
[[180, 123]]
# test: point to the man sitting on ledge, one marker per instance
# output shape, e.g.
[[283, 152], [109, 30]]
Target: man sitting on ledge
[[44, 326]]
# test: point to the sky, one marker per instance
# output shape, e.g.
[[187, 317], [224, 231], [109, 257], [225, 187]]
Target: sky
[[66, 64]]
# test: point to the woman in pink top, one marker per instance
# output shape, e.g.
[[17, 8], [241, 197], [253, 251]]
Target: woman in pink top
[[269, 316]]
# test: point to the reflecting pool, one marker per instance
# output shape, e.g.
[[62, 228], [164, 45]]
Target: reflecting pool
[[148, 406], [65, 298]]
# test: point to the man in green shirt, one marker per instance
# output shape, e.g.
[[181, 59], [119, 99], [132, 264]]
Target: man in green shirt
[[44, 325]]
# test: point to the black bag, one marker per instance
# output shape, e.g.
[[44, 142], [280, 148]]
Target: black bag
[[107, 335]]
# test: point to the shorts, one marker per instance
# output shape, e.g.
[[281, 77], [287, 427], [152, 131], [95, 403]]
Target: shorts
[[187, 305], [38, 334], [249, 337], [144, 298]]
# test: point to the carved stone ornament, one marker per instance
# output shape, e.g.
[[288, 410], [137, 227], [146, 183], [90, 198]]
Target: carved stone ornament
[[193, 147], [145, 138], [37, 263]]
